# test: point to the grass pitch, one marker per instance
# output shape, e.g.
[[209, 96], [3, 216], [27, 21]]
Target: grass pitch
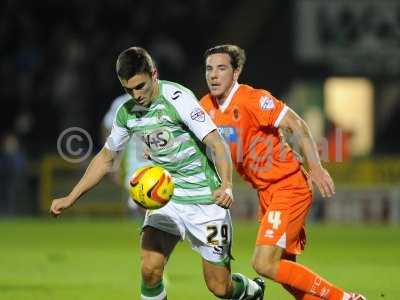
[[98, 259]]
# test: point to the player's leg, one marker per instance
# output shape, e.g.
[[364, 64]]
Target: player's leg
[[298, 295], [266, 262], [218, 279], [162, 230], [156, 247], [282, 229], [212, 239], [225, 285]]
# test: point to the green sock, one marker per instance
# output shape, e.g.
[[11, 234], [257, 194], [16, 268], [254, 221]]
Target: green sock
[[239, 285], [155, 293]]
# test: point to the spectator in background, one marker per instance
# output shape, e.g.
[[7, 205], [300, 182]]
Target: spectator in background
[[12, 164], [169, 55], [70, 88]]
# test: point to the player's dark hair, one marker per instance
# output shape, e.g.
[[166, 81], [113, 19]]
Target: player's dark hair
[[237, 54], [132, 61]]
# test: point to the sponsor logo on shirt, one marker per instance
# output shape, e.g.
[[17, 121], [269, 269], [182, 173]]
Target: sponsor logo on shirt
[[158, 139], [229, 134], [198, 115], [266, 103]]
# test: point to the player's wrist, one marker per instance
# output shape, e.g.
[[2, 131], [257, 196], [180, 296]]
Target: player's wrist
[[226, 184], [315, 166], [72, 197], [227, 188]]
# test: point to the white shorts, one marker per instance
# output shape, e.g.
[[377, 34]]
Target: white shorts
[[207, 227]]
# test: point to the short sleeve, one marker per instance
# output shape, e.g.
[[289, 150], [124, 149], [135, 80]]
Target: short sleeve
[[190, 112], [265, 109], [120, 134]]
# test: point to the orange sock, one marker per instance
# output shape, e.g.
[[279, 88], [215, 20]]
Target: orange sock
[[303, 279], [299, 295]]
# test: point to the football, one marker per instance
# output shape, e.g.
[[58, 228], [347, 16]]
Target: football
[[151, 187]]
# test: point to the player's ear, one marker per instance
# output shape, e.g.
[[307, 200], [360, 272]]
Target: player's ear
[[236, 74], [154, 74]]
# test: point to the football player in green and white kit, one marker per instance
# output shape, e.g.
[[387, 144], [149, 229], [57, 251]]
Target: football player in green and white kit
[[168, 118]]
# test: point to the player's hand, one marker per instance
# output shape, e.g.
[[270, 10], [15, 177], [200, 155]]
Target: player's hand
[[223, 196], [323, 181], [58, 205]]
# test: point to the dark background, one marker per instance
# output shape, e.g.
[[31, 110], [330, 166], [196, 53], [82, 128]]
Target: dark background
[[57, 58], [57, 62]]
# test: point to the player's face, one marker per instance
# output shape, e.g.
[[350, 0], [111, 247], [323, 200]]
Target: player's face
[[142, 87], [220, 75]]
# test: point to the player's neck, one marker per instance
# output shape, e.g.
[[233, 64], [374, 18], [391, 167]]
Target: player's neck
[[221, 99], [156, 89]]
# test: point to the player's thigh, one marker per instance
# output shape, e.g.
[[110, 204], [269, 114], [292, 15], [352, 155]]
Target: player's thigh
[[209, 230], [162, 229], [270, 254], [157, 246], [284, 221]]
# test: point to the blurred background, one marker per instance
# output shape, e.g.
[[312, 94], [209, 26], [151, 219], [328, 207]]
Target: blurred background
[[336, 63]]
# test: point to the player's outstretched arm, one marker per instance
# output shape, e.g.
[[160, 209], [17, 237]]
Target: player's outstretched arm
[[302, 134], [100, 165], [223, 162]]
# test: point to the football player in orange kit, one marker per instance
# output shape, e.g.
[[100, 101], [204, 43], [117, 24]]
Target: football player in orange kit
[[250, 120]]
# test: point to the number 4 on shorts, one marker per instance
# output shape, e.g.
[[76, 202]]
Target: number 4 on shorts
[[274, 218]]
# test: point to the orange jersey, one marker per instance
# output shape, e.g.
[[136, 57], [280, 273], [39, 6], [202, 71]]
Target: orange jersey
[[249, 123]]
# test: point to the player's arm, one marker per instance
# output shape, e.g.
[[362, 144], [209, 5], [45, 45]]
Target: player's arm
[[223, 163], [303, 136], [100, 165], [201, 125]]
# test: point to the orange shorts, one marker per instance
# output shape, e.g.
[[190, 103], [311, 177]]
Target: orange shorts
[[283, 209]]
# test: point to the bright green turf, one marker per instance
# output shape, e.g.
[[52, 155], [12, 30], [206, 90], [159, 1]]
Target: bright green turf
[[98, 259]]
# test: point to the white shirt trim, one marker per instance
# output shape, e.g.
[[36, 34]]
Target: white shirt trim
[[222, 107], [281, 116]]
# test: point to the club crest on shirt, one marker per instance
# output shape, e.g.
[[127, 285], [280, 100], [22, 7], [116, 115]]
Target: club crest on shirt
[[266, 103], [236, 114], [198, 115], [228, 133]]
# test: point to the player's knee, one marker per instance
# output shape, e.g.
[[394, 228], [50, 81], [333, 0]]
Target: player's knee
[[151, 273], [221, 290], [266, 268]]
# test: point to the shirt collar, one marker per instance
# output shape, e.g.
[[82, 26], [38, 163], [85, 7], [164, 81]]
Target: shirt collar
[[228, 99]]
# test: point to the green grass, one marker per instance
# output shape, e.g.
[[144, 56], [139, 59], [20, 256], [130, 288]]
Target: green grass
[[98, 259]]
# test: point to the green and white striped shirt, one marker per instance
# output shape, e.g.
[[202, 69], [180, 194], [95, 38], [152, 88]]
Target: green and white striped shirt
[[172, 128]]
